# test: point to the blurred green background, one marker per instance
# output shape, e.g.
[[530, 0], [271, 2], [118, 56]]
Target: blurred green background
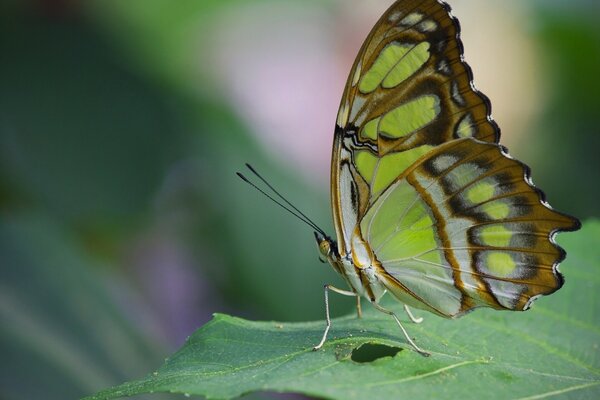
[[122, 123]]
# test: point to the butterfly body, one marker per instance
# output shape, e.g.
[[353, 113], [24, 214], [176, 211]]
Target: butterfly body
[[426, 204], [359, 269]]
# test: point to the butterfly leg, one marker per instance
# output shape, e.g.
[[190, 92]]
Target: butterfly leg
[[413, 344], [327, 289], [358, 307], [411, 316]]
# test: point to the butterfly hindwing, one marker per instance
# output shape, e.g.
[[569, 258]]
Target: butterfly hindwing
[[462, 228]]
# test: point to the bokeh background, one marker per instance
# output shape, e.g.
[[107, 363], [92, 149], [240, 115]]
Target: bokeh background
[[122, 123]]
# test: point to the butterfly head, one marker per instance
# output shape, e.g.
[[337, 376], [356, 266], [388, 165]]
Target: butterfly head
[[327, 247]]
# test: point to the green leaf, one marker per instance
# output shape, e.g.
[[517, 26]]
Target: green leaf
[[551, 350]]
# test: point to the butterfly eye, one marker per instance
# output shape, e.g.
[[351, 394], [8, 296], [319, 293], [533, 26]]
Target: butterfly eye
[[324, 247]]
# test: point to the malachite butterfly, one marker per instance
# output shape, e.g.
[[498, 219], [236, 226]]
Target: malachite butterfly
[[426, 204]]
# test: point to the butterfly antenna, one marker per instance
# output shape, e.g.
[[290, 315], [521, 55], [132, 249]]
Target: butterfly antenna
[[289, 203], [286, 205]]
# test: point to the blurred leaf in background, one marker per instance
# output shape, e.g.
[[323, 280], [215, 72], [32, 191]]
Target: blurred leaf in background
[[122, 124], [568, 133], [62, 335]]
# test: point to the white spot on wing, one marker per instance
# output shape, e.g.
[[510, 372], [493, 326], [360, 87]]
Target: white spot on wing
[[427, 26], [456, 96], [357, 73], [359, 101], [443, 67], [342, 118], [444, 162], [394, 17], [412, 19]]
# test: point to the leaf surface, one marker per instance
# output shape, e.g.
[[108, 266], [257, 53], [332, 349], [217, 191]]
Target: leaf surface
[[550, 351]]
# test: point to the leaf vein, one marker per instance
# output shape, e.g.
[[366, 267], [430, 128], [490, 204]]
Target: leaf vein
[[560, 391]]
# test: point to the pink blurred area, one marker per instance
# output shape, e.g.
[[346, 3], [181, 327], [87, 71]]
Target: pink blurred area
[[284, 64]]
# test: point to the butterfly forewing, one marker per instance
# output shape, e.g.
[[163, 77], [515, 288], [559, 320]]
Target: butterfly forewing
[[418, 175], [461, 228], [409, 90], [409, 85]]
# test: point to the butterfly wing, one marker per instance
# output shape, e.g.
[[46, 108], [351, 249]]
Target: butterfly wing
[[462, 228], [417, 174], [408, 90]]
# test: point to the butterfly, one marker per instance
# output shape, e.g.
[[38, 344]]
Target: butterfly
[[426, 204]]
